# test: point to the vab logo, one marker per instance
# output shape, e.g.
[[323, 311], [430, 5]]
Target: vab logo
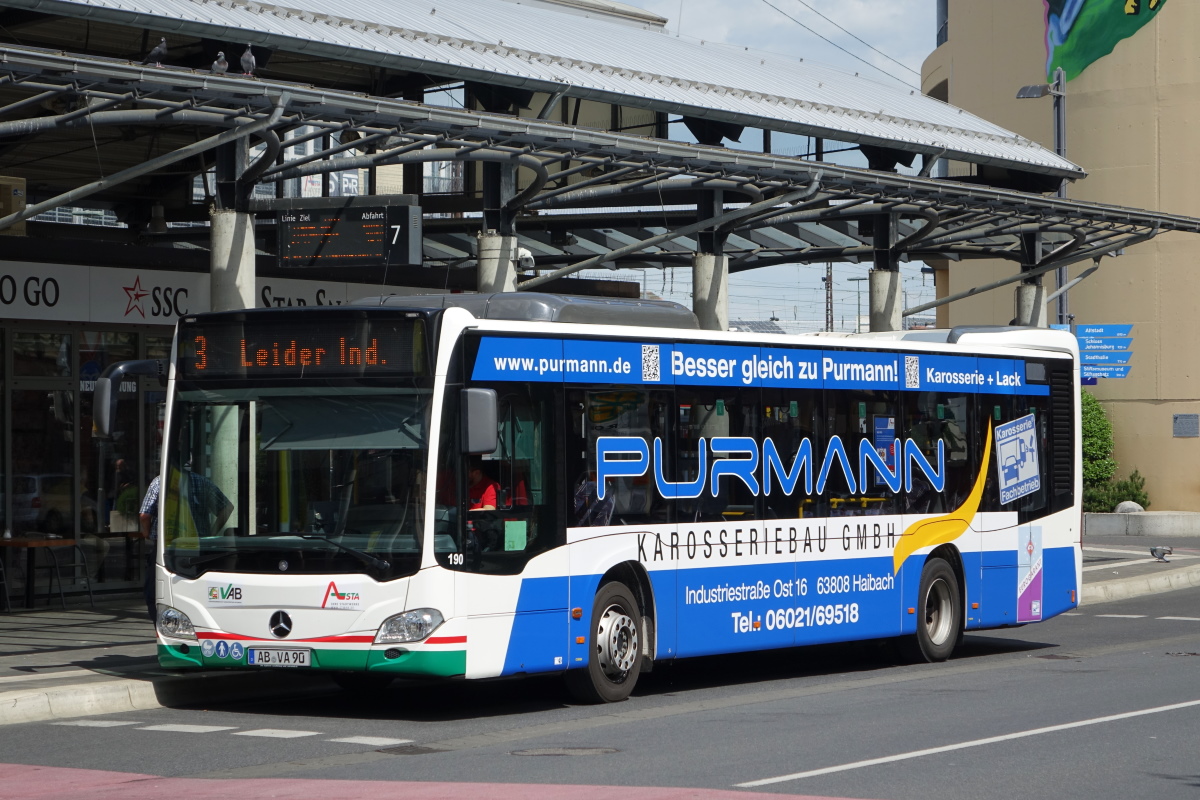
[[225, 594], [343, 600], [165, 301]]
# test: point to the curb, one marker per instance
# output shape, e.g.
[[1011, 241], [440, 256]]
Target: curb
[[68, 701], [1125, 588]]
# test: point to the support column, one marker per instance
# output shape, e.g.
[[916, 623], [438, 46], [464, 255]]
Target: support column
[[497, 244], [1030, 297], [231, 276], [885, 300], [710, 291], [497, 262], [886, 295], [1031, 305], [710, 268]]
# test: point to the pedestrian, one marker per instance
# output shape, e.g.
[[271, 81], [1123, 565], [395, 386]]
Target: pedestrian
[[147, 518], [209, 509]]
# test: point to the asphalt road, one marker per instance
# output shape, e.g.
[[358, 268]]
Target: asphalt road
[[1103, 703]]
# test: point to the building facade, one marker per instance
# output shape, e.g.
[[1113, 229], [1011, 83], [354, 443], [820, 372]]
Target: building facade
[[60, 326], [1133, 99]]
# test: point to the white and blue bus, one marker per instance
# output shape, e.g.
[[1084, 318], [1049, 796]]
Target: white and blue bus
[[491, 485]]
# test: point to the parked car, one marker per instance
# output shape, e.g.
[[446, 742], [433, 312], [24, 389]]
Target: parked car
[[43, 503]]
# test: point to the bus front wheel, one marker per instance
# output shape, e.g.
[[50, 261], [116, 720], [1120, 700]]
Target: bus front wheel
[[939, 613], [615, 649]]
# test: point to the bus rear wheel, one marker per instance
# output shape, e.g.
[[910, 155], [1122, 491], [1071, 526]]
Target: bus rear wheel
[[615, 649], [939, 613]]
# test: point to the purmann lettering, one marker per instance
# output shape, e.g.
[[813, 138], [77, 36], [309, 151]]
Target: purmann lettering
[[741, 458]]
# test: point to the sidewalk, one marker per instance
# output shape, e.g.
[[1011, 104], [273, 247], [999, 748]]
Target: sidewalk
[[79, 661]]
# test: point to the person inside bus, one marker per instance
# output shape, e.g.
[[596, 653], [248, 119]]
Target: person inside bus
[[482, 492]]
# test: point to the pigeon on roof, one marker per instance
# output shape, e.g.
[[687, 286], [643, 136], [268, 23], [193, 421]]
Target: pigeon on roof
[[158, 53], [248, 61], [220, 66]]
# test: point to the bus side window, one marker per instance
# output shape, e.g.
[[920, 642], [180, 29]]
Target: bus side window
[[631, 412], [930, 418]]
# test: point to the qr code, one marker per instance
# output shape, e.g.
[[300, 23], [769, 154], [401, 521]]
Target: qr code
[[650, 363], [912, 372]]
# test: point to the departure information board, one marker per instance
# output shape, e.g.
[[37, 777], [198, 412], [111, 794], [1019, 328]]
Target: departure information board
[[349, 237]]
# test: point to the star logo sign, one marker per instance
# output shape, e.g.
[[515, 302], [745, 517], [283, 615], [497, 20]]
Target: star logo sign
[[135, 294]]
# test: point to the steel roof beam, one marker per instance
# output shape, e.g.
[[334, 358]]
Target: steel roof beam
[[146, 167]]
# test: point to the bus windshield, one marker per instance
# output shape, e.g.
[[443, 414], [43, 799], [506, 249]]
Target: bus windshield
[[296, 480]]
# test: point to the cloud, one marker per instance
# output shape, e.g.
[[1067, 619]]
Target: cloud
[[903, 29]]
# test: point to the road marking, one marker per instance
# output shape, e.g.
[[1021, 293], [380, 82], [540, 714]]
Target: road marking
[[41, 676], [1122, 616], [641, 714], [96, 723], [1072, 614], [373, 741], [189, 728], [1008, 737], [1181, 619], [1096, 567], [1124, 551], [276, 733]]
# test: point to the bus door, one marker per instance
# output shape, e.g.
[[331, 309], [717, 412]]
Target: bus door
[[627, 519], [737, 570], [941, 470], [502, 536]]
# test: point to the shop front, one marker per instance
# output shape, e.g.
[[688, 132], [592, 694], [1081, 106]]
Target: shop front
[[60, 327]]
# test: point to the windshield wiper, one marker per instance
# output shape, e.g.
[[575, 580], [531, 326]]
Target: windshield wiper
[[197, 560], [366, 558]]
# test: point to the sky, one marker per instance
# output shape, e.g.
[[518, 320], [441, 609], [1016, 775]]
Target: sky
[[896, 36]]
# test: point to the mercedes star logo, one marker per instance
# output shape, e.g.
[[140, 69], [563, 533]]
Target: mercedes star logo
[[281, 625]]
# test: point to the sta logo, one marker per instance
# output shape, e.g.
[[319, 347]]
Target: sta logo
[[337, 599], [165, 301]]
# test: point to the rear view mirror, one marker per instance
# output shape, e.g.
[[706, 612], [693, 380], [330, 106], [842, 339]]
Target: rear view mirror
[[479, 421], [108, 387]]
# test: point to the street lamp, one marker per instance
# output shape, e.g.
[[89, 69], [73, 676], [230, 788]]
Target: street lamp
[[1058, 90], [858, 319]]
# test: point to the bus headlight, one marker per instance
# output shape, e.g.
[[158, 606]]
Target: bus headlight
[[411, 626], [174, 624]]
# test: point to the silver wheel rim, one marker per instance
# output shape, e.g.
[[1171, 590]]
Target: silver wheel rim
[[616, 643], [939, 612]]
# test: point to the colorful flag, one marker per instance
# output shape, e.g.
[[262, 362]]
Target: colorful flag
[[1079, 32]]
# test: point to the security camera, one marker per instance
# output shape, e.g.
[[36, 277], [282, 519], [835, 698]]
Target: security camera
[[524, 258]]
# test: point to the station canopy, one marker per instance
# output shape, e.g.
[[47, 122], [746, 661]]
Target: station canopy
[[85, 121]]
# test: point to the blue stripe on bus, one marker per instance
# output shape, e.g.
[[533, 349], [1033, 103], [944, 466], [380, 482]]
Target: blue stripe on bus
[[715, 610], [666, 363]]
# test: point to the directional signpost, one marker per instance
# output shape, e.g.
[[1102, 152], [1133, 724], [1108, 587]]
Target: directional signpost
[[1104, 351]]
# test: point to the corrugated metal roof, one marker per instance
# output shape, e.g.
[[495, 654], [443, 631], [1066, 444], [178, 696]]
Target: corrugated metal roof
[[538, 47]]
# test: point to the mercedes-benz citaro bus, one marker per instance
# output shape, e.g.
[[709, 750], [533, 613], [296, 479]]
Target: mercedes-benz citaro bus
[[476, 486]]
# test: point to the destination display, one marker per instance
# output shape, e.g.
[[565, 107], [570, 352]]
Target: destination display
[[333, 348], [349, 237]]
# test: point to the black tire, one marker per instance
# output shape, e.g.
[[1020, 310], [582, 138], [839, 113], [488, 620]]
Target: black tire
[[939, 613], [615, 649], [362, 683]]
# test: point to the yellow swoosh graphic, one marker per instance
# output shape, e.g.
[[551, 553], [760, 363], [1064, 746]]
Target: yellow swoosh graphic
[[946, 528]]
